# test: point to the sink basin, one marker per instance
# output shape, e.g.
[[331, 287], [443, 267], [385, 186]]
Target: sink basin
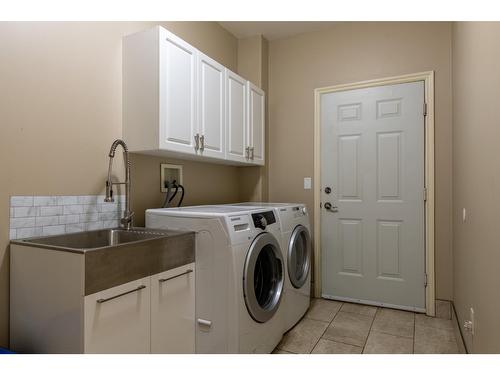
[[98, 238], [111, 257]]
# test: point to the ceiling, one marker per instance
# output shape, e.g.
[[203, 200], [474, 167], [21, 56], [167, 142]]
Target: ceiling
[[272, 30]]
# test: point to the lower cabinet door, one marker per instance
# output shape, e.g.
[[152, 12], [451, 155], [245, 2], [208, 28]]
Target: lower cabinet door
[[173, 311], [117, 320]]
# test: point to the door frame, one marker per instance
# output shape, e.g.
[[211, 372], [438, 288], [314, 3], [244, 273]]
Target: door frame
[[428, 79]]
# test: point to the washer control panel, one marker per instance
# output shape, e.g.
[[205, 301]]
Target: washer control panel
[[263, 219]]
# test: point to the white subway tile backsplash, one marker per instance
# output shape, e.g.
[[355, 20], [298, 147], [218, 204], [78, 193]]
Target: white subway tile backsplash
[[90, 208], [73, 209], [72, 228], [44, 201], [42, 221], [88, 199], [94, 225], [69, 219], [50, 210], [108, 207], [65, 200], [50, 215], [29, 232], [53, 230], [22, 222], [109, 215], [85, 218], [21, 201], [110, 224], [24, 211]]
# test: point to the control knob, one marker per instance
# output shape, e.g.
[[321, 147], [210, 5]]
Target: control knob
[[260, 222]]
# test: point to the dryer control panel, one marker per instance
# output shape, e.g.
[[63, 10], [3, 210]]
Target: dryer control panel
[[263, 219]]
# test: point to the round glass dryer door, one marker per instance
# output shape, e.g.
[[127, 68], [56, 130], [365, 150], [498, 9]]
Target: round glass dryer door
[[299, 256], [263, 277]]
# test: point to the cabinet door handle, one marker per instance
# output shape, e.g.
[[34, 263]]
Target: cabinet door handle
[[174, 277], [247, 152], [202, 142], [206, 323], [251, 149], [196, 141], [102, 300]]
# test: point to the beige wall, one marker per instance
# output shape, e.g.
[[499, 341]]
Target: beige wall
[[60, 109], [351, 52], [476, 180]]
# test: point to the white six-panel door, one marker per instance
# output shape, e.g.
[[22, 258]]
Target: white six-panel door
[[178, 92], [211, 107], [236, 124], [372, 159]]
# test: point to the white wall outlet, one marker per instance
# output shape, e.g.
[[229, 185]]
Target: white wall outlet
[[307, 183], [464, 215], [171, 173]]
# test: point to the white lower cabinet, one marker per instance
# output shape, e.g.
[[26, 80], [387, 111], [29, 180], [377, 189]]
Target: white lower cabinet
[[154, 314], [173, 311], [117, 320]]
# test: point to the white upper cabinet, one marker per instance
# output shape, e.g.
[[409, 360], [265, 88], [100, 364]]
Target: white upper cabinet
[[237, 134], [211, 107], [180, 103], [178, 91], [256, 124]]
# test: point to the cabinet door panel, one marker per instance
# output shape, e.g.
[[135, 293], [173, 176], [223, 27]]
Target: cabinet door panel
[[211, 107], [178, 87], [256, 123], [173, 311], [236, 126], [117, 320]]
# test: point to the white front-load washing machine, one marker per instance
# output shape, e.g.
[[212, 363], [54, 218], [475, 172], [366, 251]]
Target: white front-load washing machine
[[240, 275], [297, 247]]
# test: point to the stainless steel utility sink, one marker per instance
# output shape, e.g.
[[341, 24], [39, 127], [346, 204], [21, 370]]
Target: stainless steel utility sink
[[113, 257], [98, 238]]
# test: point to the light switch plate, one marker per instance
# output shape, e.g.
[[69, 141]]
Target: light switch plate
[[307, 183]]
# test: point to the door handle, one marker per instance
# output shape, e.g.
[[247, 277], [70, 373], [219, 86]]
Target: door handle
[[330, 207]]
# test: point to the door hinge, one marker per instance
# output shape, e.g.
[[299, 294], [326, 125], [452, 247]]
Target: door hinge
[[425, 194], [425, 109], [425, 280]]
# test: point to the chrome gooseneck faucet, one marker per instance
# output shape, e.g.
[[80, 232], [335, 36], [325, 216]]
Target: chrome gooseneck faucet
[[126, 221]]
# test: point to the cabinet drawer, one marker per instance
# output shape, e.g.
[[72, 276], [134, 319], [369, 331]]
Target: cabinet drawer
[[117, 320], [173, 311]]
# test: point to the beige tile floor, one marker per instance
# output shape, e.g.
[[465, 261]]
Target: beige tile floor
[[333, 327]]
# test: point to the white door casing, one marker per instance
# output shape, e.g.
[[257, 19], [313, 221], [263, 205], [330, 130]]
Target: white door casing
[[372, 157], [178, 123], [211, 107], [236, 117]]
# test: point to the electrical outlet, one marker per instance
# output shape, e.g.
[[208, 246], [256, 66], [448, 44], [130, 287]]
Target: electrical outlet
[[170, 173]]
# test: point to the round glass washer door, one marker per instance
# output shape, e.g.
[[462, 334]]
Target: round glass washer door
[[263, 277], [299, 256]]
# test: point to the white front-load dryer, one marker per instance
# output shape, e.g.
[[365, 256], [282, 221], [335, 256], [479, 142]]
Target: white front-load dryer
[[240, 275], [297, 249]]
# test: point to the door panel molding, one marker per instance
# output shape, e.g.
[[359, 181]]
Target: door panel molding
[[386, 109]]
